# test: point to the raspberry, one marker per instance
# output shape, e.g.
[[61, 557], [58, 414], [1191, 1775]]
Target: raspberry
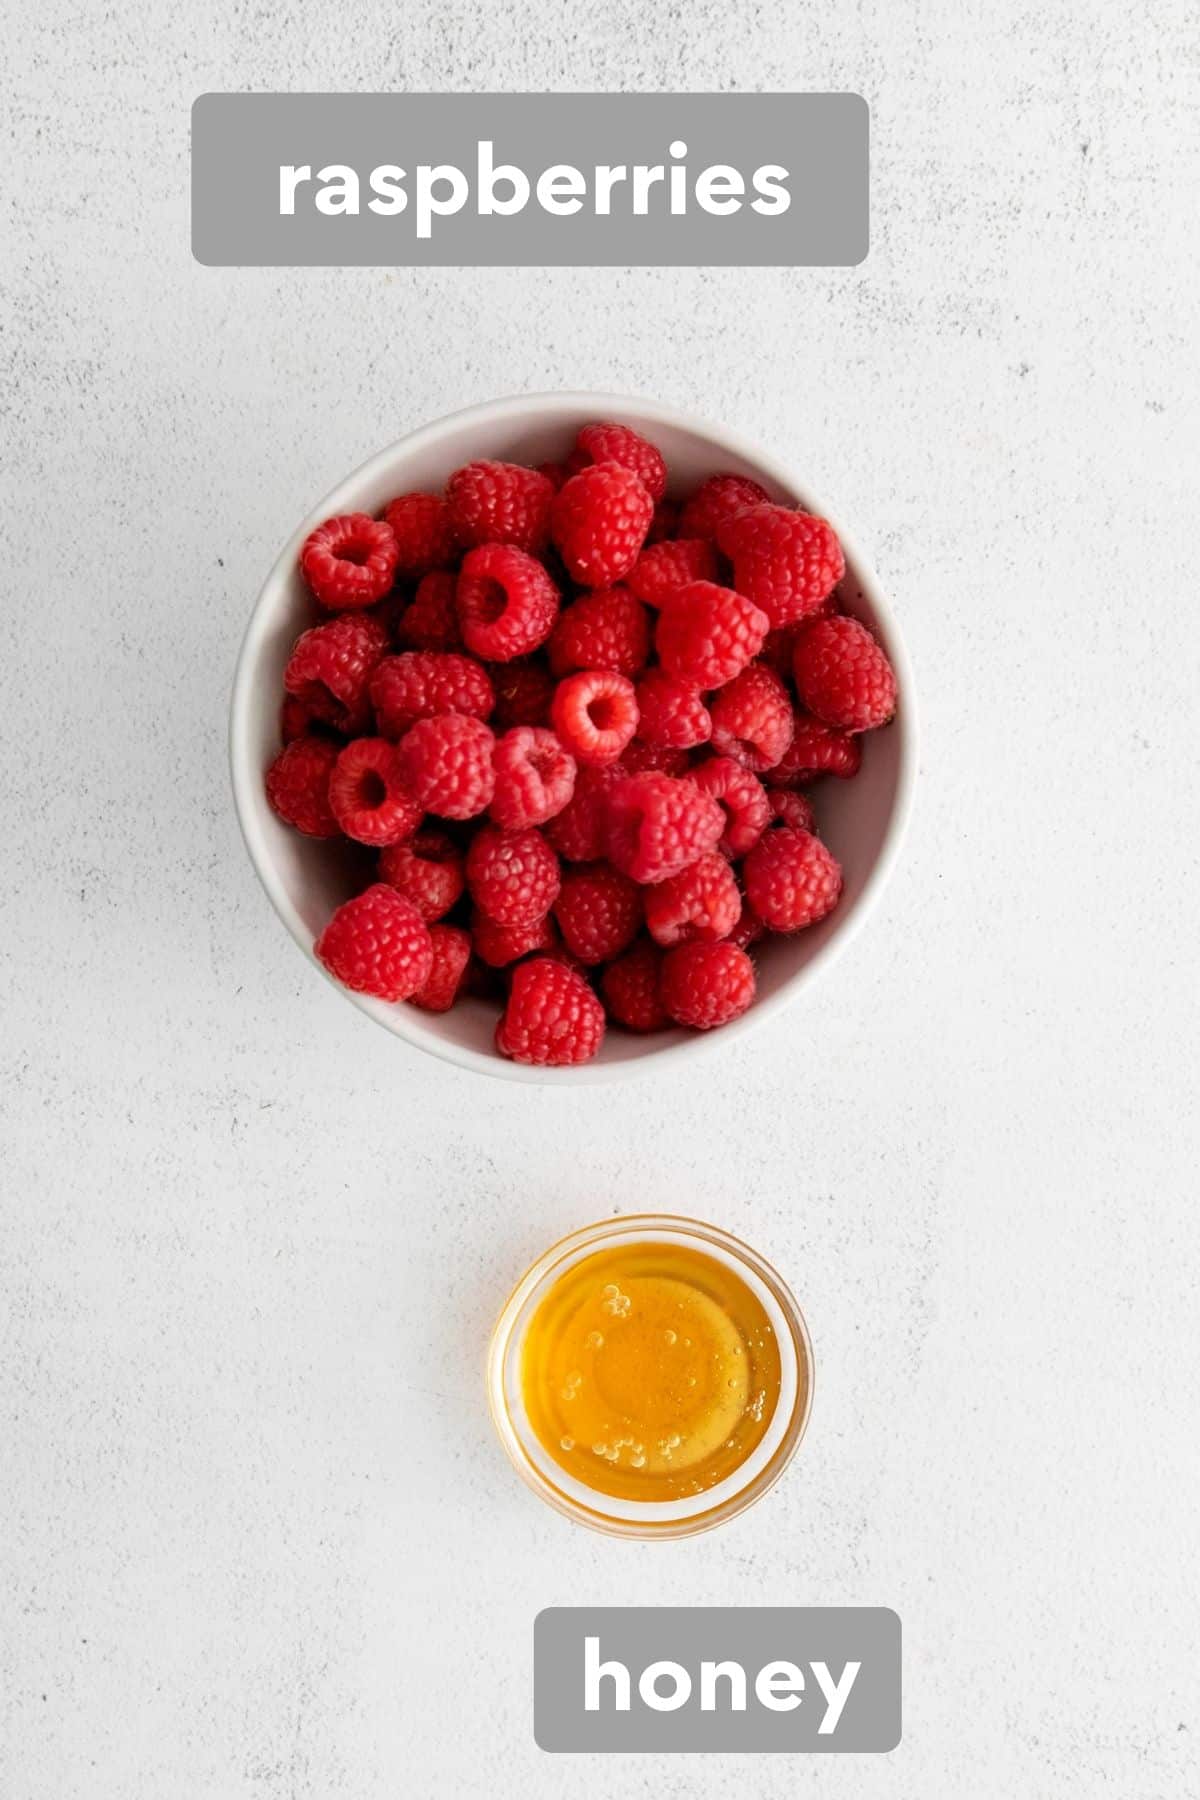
[[512, 875], [700, 904], [330, 667], [704, 985], [367, 793], [599, 912], [707, 634], [499, 945], [637, 758], [605, 443], [378, 944], [752, 718], [430, 622], [447, 765], [748, 930], [671, 712], [791, 879], [349, 562], [428, 870], [843, 676], [599, 521], [631, 989], [791, 809], [424, 533], [663, 568], [607, 629], [297, 784], [451, 949], [719, 498], [524, 691], [500, 503], [555, 473], [422, 683], [507, 604], [578, 832], [786, 562], [816, 750], [552, 1016], [595, 714], [745, 809], [664, 522], [656, 826], [535, 777]]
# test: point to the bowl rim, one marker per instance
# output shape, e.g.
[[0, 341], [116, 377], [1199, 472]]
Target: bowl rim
[[406, 1022]]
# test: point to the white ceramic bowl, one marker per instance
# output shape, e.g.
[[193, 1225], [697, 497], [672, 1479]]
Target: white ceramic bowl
[[862, 820]]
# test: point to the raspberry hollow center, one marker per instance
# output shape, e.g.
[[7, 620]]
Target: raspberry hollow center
[[491, 602]]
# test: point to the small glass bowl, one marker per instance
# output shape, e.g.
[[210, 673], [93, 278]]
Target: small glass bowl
[[663, 1518]]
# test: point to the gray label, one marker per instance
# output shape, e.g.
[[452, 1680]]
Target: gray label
[[535, 179], [823, 1678]]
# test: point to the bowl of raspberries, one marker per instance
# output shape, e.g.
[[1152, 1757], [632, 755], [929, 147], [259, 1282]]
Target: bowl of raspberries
[[569, 734]]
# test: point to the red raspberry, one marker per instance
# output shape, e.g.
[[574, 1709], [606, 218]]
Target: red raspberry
[[664, 522], [605, 443], [424, 533], [377, 943], [451, 949], [752, 718], [428, 870], [707, 634], [843, 676], [599, 912], [786, 562], [599, 522], [507, 604], [791, 879], [704, 985], [430, 622], [499, 945], [330, 667], [512, 875], [349, 562], [719, 498], [420, 684], [595, 714], [700, 904], [578, 832], [637, 758], [671, 712], [607, 629], [297, 784], [367, 793], [500, 503], [791, 809], [816, 750], [743, 800], [447, 765], [552, 1016], [748, 929], [631, 989], [662, 569], [524, 691], [535, 777], [656, 826]]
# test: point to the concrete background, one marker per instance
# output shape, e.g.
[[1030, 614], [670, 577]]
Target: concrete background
[[258, 1541]]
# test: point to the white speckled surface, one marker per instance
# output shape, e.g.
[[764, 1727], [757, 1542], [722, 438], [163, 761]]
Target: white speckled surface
[[257, 1540]]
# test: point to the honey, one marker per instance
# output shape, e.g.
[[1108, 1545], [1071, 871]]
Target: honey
[[650, 1370]]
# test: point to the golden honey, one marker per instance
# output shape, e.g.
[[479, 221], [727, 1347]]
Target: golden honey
[[650, 1371]]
